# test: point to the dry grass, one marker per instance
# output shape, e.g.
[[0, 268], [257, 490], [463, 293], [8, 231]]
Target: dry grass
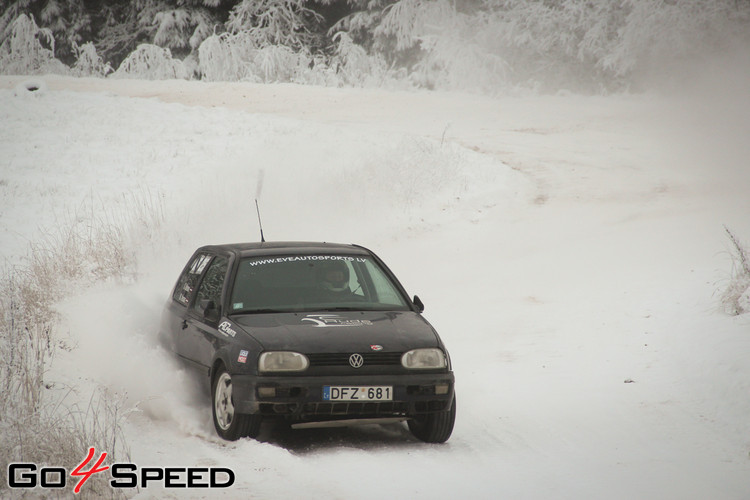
[[735, 298], [40, 420]]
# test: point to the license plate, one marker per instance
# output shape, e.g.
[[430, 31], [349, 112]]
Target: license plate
[[357, 393]]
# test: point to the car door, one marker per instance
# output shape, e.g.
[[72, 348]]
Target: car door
[[200, 338], [173, 317]]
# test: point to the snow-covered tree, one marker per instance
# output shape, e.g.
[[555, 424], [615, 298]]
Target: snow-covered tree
[[656, 34], [544, 43], [268, 41], [187, 25], [67, 20], [276, 22], [482, 45], [29, 49], [151, 62], [179, 25]]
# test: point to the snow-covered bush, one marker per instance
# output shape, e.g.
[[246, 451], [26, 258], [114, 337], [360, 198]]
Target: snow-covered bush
[[226, 57], [150, 62], [279, 63], [355, 67], [320, 71], [24, 52], [88, 62], [236, 57], [736, 296]]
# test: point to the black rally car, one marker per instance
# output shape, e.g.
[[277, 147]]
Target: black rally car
[[320, 334]]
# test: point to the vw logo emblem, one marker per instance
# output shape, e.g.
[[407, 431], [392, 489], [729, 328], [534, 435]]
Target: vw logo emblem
[[356, 360]]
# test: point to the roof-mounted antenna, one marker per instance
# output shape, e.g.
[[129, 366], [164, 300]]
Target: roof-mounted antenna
[[260, 224], [258, 189]]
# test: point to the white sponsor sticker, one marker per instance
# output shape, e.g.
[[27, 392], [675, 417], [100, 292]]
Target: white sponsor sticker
[[226, 328], [305, 258], [334, 320]]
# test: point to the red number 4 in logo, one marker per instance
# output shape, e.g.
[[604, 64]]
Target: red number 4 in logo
[[85, 475]]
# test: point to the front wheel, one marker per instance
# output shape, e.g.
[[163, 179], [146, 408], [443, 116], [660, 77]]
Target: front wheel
[[434, 427], [229, 424]]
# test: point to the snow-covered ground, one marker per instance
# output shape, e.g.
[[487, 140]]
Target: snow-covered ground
[[570, 250]]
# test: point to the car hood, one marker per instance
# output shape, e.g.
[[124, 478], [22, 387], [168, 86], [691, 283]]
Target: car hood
[[339, 331]]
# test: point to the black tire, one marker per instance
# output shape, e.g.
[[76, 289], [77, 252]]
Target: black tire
[[230, 425], [434, 427]]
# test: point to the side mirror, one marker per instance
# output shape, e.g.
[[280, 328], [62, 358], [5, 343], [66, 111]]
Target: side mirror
[[210, 311], [418, 303]]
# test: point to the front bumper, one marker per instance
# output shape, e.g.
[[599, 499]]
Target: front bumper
[[301, 398]]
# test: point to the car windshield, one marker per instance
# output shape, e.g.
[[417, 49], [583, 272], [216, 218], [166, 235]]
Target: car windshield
[[313, 283]]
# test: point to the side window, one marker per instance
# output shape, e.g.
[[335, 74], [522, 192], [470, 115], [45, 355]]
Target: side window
[[212, 284], [189, 279]]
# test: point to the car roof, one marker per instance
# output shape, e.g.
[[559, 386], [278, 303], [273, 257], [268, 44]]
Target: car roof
[[287, 248]]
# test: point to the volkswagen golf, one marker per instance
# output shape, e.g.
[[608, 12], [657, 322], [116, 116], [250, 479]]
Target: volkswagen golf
[[319, 334]]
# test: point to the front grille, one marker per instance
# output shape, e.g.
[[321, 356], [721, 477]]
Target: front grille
[[354, 409], [342, 359], [374, 409]]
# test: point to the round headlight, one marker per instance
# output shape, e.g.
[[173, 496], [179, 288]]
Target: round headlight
[[282, 361], [423, 359]]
